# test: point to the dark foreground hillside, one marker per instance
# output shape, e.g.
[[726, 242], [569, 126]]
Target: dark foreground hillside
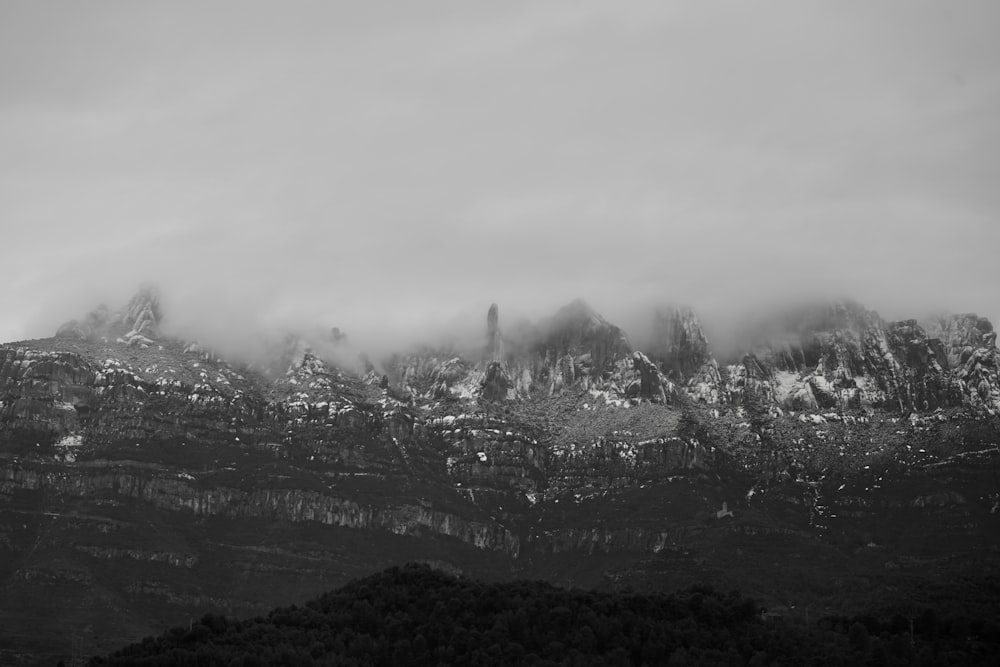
[[415, 615]]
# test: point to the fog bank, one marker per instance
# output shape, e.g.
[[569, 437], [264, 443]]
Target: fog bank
[[393, 170]]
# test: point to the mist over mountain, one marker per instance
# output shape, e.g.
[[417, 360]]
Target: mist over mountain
[[241, 327], [393, 171]]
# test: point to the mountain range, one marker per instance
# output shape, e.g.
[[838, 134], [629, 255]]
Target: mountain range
[[829, 462]]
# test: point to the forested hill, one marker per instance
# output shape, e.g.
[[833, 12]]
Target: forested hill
[[416, 615]]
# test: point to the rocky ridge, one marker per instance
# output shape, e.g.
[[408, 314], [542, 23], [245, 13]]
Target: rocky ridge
[[560, 439], [837, 356]]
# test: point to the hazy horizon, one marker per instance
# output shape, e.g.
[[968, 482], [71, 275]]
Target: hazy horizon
[[395, 168]]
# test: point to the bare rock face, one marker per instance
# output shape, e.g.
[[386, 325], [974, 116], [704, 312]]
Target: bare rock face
[[920, 374], [969, 345], [831, 356], [842, 356], [135, 325], [496, 382], [680, 343], [705, 386], [961, 335], [494, 344], [837, 356], [577, 348], [574, 350], [593, 343], [681, 349], [428, 374], [141, 318], [748, 380], [831, 335], [652, 385]]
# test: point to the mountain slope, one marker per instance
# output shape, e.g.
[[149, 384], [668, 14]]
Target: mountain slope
[[144, 480]]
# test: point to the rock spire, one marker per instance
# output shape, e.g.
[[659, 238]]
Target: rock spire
[[494, 341]]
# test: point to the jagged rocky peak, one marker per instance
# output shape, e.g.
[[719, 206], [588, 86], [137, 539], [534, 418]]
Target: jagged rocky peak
[[496, 383], [842, 356], [802, 337], [679, 342], [578, 330], [574, 348], [137, 324], [822, 356], [316, 349], [652, 385], [141, 317], [578, 313], [961, 335], [969, 344]]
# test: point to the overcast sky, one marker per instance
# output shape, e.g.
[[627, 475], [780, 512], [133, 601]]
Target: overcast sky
[[396, 164]]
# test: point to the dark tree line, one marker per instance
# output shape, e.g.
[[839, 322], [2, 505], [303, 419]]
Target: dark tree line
[[418, 616]]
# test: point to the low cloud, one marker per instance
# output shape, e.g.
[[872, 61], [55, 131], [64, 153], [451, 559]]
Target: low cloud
[[394, 174]]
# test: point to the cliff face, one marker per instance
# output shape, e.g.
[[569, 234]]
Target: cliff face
[[137, 324], [178, 492], [844, 357], [838, 356], [679, 342], [969, 344], [144, 478], [575, 350]]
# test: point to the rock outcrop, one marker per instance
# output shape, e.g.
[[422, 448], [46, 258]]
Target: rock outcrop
[[837, 356], [969, 344], [141, 318], [494, 344], [679, 343], [575, 350], [137, 324], [497, 384], [845, 357], [578, 344], [652, 384]]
